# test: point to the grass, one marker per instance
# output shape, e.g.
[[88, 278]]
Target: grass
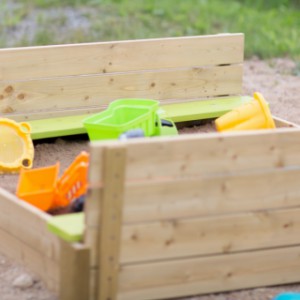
[[271, 27]]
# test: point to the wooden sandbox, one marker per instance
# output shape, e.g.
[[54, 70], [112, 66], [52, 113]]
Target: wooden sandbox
[[166, 216]]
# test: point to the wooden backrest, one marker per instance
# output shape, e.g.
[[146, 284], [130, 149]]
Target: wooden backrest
[[162, 205], [49, 81]]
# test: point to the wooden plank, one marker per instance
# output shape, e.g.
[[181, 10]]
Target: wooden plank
[[56, 127], [111, 220], [178, 112], [24, 237], [21, 252], [99, 90], [205, 109], [119, 56], [64, 114], [180, 238], [189, 156], [232, 193], [94, 196], [74, 272], [93, 215], [34, 231], [192, 276]]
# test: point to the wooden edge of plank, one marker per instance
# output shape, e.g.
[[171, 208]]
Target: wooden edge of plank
[[16, 203], [111, 221], [74, 271], [30, 48], [282, 123]]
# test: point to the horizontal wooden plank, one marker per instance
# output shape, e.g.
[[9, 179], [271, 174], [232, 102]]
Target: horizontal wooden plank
[[192, 276], [180, 238], [197, 155], [63, 114], [202, 110], [215, 195], [99, 90], [28, 224], [73, 124], [120, 56]]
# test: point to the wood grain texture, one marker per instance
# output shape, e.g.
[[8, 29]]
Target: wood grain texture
[[196, 275], [214, 195], [28, 224], [189, 156], [74, 271], [120, 56], [26, 255], [24, 237], [84, 92], [180, 238], [111, 221]]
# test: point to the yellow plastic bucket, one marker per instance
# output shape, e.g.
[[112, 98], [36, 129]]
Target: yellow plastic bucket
[[250, 116], [16, 147]]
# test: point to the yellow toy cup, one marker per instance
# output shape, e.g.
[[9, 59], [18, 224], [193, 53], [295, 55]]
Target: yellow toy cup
[[250, 116]]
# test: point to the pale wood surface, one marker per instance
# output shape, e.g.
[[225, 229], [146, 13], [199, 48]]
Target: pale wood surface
[[180, 238], [120, 56], [206, 155], [99, 90], [16, 249], [93, 207], [194, 275], [153, 200], [24, 237], [74, 272], [111, 222], [33, 230]]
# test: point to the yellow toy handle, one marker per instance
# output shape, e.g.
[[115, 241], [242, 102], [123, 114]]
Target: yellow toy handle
[[25, 127], [27, 163]]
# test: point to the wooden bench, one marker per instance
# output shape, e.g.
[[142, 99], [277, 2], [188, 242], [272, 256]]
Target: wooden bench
[[164, 217]]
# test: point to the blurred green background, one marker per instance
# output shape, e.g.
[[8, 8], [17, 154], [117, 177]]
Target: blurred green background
[[271, 27]]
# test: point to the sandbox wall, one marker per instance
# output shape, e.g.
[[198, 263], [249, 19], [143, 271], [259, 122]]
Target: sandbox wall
[[195, 214], [65, 80]]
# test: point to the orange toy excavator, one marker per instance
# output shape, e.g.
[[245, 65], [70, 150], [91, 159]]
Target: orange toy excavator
[[42, 188]]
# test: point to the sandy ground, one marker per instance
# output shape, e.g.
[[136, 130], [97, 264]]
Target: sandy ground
[[273, 79]]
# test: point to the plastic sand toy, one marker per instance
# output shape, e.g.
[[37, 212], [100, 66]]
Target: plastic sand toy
[[43, 189], [73, 182], [121, 116], [287, 296], [38, 186], [250, 116], [16, 147]]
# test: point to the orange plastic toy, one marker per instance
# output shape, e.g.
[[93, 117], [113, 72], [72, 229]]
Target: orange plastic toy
[[42, 188], [38, 186], [16, 147], [250, 116], [73, 182]]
